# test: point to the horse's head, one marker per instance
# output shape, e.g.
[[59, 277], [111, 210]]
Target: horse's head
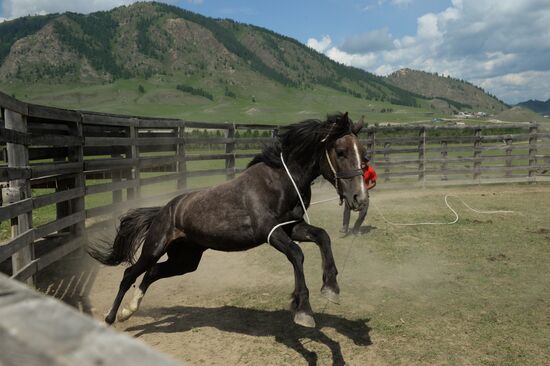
[[341, 162]]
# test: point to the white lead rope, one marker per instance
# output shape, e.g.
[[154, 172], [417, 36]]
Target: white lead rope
[[333, 170], [277, 226], [301, 201], [296, 188]]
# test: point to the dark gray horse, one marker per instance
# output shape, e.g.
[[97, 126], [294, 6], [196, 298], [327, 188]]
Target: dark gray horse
[[240, 214]]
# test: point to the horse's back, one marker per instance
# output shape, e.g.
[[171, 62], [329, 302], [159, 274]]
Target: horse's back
[[221, 217]]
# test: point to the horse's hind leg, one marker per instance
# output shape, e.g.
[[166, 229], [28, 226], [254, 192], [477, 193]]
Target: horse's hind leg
[[131, 273], [305, 232], [182, 258]]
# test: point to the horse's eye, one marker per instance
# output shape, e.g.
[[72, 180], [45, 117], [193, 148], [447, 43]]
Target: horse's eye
[[340, 153]]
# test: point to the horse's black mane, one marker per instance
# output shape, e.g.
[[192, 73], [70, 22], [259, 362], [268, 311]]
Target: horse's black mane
[[304, 140]]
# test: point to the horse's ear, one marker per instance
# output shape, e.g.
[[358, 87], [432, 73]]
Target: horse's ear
[[358, 126], [345, 118]]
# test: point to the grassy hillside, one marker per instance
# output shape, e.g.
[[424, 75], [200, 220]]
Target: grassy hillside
[[519, 114], [455, 94], [266, 103]]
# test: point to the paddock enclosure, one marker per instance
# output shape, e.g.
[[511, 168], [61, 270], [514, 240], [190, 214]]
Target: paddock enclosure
[[66, 175]]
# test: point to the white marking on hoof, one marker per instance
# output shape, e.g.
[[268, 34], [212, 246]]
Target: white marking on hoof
[[126, 313], [330, 295], [303, 319]]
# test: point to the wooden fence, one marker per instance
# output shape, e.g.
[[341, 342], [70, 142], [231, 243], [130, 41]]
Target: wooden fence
[[433, 155], [64, 171]]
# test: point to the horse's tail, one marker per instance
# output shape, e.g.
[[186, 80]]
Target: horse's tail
[[131, 233]]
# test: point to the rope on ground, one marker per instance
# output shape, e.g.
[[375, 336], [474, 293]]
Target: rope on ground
[[449, 207], [430, 223]]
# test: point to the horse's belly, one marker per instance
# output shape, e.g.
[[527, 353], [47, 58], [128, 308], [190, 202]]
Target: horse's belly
[[227, 242], [226, 233]]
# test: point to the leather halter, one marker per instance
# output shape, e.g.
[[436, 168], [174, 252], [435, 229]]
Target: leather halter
[[346, 174]]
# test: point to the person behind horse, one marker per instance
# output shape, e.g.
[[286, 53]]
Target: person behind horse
[[369, 177]]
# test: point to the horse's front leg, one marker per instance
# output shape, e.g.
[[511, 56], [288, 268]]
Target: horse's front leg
[[303, 314], [305, 232]]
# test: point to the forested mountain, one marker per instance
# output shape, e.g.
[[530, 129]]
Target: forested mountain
[[536, 106], [147, 39]]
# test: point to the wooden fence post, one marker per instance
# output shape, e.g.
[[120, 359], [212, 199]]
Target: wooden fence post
[[509, 149], [63, 209], [134, 173], [477, 154], [181, 165], [76, 154], [444, 165], [387, 146], [116, 176], [230, 149], [422, 155], [371, 136], [19, 189], [533, 132]]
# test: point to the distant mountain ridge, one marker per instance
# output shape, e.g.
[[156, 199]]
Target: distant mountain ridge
[[145, 39], [217, 59], [458, 94], [536, 106]]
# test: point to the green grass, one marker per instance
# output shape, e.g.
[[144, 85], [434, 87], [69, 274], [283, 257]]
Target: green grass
[[273, 104]]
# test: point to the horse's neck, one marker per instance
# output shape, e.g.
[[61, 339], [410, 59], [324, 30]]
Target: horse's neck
[[304, 175]]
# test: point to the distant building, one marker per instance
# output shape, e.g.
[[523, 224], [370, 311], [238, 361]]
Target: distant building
[[465, 115]]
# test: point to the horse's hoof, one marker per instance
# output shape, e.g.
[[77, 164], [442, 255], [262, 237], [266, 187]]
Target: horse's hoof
[[303, 319], [124, 315], [330, 295], [109, 319]]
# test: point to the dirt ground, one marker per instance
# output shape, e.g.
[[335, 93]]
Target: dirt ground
[[473, 293]]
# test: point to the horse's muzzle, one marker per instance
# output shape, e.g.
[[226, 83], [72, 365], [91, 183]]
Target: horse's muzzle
[[356, 203]]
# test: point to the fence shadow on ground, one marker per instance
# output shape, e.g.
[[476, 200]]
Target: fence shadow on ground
[[70, 281], [260, 323]]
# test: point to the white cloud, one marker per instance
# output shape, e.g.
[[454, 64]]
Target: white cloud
[[503, 46], [521, 86], [319, 46], [18, 8], [364, 61], [428, 27]]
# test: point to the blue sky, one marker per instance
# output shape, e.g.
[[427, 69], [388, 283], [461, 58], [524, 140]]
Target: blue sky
[[307, 18], [500, 45]]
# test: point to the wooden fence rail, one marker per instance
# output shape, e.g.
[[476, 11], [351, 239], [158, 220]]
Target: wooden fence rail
[[64, 170], [40, 330]]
